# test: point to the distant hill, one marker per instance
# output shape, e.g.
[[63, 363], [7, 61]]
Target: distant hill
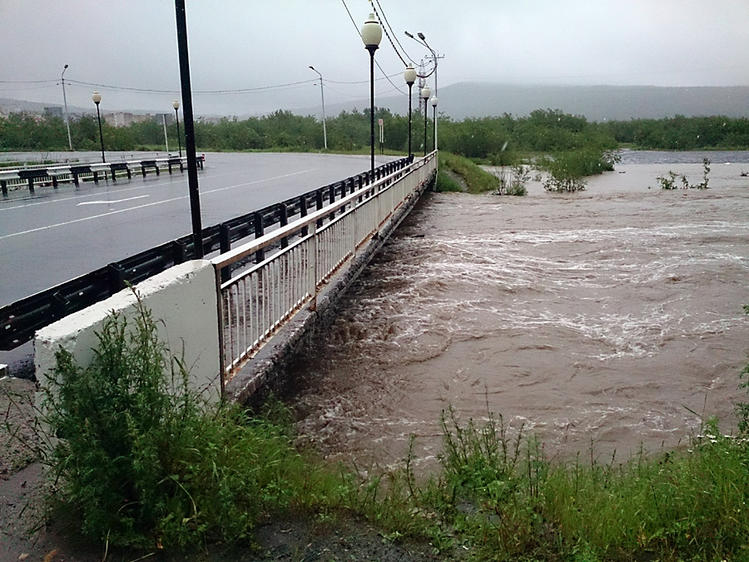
[[597, 103], [479, 99]]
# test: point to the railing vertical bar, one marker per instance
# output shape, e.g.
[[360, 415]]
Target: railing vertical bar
[[245, 342]]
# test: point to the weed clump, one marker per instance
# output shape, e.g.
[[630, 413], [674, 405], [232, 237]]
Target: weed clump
[[143, 460]]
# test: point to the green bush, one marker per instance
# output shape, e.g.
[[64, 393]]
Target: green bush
[[145, 461], [475, 179]]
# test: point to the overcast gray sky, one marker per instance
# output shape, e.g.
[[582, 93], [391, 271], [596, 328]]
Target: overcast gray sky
[[252, 43]]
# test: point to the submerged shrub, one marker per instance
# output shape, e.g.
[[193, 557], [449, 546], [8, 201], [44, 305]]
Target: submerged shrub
[[668, 182], [512, 181]]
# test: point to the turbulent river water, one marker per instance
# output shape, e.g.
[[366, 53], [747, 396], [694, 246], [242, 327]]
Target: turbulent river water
[[608, 319]]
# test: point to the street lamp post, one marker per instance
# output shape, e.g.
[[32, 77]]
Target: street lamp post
[[65, 104], [96, 96], [322, 96], [371, 34], [175, 105], [192, 163], [425, 93], [410, 77], [433, 101]]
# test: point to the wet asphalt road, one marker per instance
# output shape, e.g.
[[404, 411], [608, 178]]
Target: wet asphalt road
[[55, 235]]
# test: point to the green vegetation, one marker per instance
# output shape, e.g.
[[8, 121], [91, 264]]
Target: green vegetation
[[146, 462], [681, 133], [567, 169], [143, 461], [501, 140], [512, 180], [668, 182], [470, 175], [446, 182]]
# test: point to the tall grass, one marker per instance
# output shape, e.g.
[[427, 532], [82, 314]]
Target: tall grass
[[144, 461], [475, 179]]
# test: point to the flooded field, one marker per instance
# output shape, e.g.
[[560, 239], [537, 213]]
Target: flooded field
[[609, 318]]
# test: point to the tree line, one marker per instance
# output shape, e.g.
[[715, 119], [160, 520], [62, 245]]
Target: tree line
[[498, 139]]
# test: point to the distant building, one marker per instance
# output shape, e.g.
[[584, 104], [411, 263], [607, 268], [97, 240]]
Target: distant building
[[53, 111]]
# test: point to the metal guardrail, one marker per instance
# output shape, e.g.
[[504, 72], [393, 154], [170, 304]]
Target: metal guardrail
[[76, 172], [19, 320], [260, 299]]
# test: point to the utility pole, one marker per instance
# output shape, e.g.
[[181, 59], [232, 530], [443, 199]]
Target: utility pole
[[322, 96], [435, 57], [166, 138], [65, 102]]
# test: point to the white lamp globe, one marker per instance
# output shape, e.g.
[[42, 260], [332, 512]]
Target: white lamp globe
[[371, 32]]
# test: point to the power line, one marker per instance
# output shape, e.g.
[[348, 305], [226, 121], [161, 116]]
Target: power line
[[385, 29], [386, 25], [26, 81], [217, 92], [26, 89], [386, 76]]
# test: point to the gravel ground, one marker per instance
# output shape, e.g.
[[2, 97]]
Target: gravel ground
[[27, 534]]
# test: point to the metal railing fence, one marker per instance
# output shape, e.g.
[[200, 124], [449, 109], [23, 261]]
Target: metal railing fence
[[307, 252]]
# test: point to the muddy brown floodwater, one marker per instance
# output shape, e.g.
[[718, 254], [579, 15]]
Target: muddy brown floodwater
[[608, 317]]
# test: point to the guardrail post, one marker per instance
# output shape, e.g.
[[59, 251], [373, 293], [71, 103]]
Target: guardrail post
[[169, 164], [59, 305], [143, 170], [156, 166], [54, 182], [129, 173], [179, 252], [224, 238], [283, 220], [116, 277], [96, 177], [331, 199], [259, 231], [319, 204], [303, 212], [4, 187], [31, 185]]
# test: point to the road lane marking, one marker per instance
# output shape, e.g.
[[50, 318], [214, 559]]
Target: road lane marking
[[152, 204], [112, 202], [115, 189]]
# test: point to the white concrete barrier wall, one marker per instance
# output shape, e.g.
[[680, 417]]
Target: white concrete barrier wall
[[183, 302]]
